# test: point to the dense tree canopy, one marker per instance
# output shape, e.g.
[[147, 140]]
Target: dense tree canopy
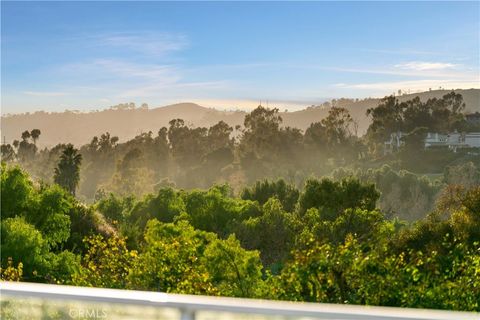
[[263, 148], [329, 243], [263, 211]]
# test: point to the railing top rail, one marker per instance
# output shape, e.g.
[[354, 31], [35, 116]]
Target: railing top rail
[[223, 304]]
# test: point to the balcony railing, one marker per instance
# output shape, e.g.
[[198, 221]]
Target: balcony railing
[[45, 301]]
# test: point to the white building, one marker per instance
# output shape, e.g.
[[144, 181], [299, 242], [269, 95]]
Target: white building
[[453, 140], [473, 139], [435, 139]]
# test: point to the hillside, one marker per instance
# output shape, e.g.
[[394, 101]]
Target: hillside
[[79, 128]]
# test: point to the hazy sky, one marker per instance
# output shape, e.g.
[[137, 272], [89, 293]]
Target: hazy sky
[[90, 55]]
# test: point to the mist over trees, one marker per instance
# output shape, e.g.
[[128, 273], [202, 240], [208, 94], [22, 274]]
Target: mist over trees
[[259, 211], [187, 157]]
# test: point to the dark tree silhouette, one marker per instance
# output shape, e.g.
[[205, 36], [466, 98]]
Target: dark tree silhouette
[[25, 135], [35, 134], [8, 153], [67, 172]]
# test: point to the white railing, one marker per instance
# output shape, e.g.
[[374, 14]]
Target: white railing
[[189, 307]]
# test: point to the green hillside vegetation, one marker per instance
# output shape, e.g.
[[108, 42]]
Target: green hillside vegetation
[[197, 210], [327, 243], [190, 157]]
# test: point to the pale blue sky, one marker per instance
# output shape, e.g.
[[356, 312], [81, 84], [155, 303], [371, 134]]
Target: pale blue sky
[[90, 55]]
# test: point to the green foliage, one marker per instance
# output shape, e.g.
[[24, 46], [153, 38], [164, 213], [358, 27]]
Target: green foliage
[[272, 233], [45, 207], [164, 206], [115, 208], [332, 198], [106, 263], [171, 262], [177, 258], [402, 194], [49, 213], [37, 228], [234, 271], [328, 242], [462, 223], [21, 242], [263, 148], [16, 190], [414, 143], [214, 210], [85, 222], [351, 274], [364, 225], [262, 191]]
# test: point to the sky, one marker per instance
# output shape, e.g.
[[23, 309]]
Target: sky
[[231, 55]]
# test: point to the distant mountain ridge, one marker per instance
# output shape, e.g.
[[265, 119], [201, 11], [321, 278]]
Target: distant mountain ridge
[[79, 128]]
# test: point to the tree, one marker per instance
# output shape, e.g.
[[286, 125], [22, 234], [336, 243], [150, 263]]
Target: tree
[[263, 190], [416, 114], [25, 150], [272, 233], [366, 226], [165, 206], [219, 136], [107, 263], [8, 153], [132, 168], [49, 213], [213, 210], [188, 145], [265, 147], [436, 115], [466, 175], [21, 242], [447, 112], [403, 194], [171, 260], [35, 134], [387, 118], [235, 271], [17, 191], [332, 198], [26, 135], [316, 136], [414, 142], [10, 273], [67, 172], [338, 126]]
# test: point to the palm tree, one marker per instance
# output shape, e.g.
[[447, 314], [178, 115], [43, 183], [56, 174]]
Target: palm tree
[[35, 133], [67, 172]]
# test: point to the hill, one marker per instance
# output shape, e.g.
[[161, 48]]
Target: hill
[[79, 128]]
